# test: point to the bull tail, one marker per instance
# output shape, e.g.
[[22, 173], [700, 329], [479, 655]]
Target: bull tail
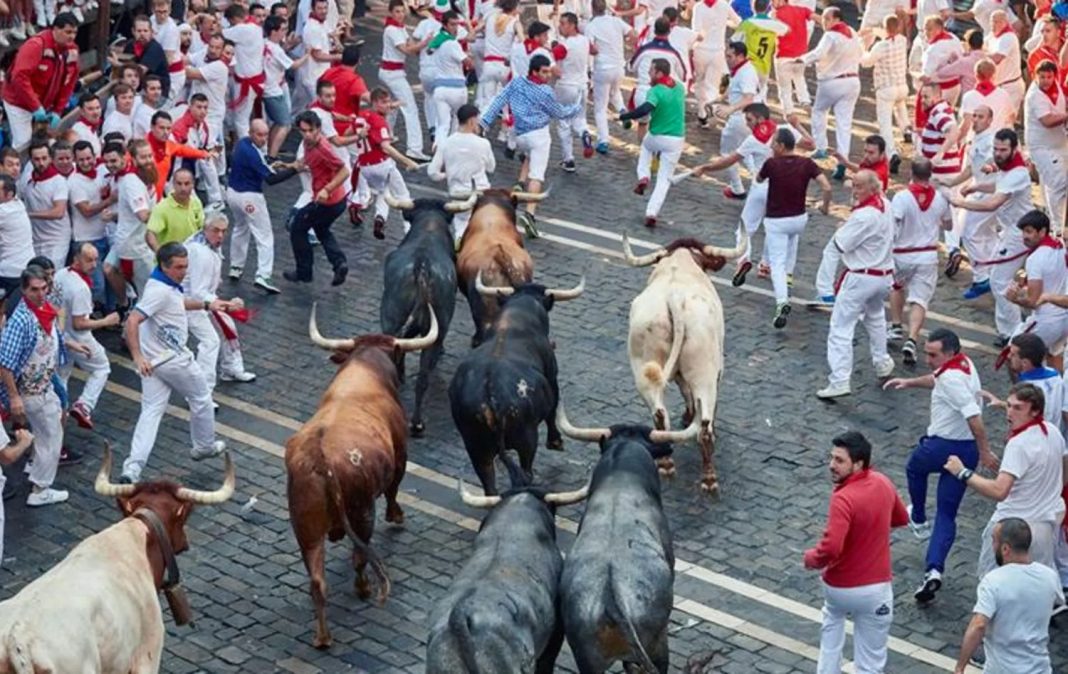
[[624, 620], [413, 326], [17, 645], [652, 371], [508, 267]]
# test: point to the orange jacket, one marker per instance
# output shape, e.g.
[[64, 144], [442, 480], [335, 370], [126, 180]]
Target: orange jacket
[[164, 152]]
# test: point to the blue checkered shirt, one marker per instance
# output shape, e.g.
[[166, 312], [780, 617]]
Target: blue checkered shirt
[[18, 341], [533, 106]]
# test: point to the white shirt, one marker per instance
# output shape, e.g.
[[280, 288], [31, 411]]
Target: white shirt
[[214, 85], [166, 326], [275, 64], [205, 271], [315, 36], [999, 102], [428, 27], [142, 119], [575, 66], [1047, 264], [116, 121], [1017, 184], [877, 10], [1017, 599], [1035, 459], [248, 48], [168, 37], [835, 55], [1036, 106], [85, 190], [464, 159], [607, 32], [520, 59], [75, 299], [84, 132], [865, 239], [498, 44], [954, 400], [754, 152], [981, 153], [40, 196], [394, 37], [1051, 383], [889, 59], [712, 23], [16, 238], [915, 228], [938, 54], [744, 82], [982, 9], [448, 62], [1008, 45], [134, 197], [683, 40]]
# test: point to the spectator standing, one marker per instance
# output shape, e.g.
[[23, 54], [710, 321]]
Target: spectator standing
[[16, 236], [45, 193], [91, 196], [149, 54]]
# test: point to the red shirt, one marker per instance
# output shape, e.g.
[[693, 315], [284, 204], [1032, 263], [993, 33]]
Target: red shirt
[[350, 87], [370, 147], [855, 548], [788, 179], [881, 169], [794, 43], [324, 165], [42, 75]]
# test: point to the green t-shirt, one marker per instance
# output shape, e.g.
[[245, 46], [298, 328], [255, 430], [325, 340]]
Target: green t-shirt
[[669, 114], [761, 37], [172, 222]]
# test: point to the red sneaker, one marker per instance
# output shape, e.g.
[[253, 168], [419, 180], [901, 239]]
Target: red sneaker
[[730, 194], [81, 414], [354, 215], [640, 187], [650, 221]]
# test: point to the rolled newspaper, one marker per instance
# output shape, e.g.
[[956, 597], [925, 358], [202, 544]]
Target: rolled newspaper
[[679, 177]]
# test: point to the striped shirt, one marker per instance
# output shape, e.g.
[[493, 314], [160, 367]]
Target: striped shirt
[[533, 106], [940, 121], [889, 58]]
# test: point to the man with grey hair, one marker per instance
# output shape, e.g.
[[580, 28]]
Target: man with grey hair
[[156, 333], [202, 284], [16, 236]]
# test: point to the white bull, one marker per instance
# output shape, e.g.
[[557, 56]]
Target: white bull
[[676, 334], [98, 610]]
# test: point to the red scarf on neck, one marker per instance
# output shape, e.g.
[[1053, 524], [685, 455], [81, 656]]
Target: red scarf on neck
[[89, 174], [50, 172], [95, 128], [957, 362], [764, 130], [985, 87], [139, 49], [738, 67], [1053, 93], [530, 44], [924, 195], [159, 147], [390, 21], [1006, 29], [1037, 421], [129, 169], [710, 3], [1049, 242], [1016, 161], [85, 277], [535, 79], [842, 29], [666, 80], [943, 35], [875, 201], [46, 314]]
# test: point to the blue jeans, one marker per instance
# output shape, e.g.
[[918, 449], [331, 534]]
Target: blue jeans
[[928, 457], [102, 292], [318, 218]]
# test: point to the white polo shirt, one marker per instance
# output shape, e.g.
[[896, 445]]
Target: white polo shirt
[[118, 122], [166, 327], [86, 133], [16, 238], [954, 400], [82, 190], [998, 100], [315, 36], [393, 38], [1047, 264], [75, 299], [575, 67], [1017, 184], [40, 195], [275, 64], [1008, 45], [1037, 104], [1035, 458], [248, 48], [608, 33], [866, 239]]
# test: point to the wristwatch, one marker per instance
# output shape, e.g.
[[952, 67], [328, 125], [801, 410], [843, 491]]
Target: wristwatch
[[207, 305], [965, 474]]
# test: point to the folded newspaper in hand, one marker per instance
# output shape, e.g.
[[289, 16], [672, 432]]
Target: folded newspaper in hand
[[679, 177], [167, 356]]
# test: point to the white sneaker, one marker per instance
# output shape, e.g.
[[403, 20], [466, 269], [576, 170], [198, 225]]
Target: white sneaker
[[895, 333], [244, 376], [47, 496], [4, 42], [920, 531], [216, 448], [932, 583], [235, 273], [884, 368], [834, 391], [18, 31]]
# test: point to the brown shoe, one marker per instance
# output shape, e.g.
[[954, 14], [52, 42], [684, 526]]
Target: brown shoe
[[380, 227]]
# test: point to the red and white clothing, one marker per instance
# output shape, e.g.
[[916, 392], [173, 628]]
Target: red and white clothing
[[837, 57], [653, 10], [216, 332], [1048, 147], [789, 74], [391, 73], [944, 47], [249, 75], [570, 88], [1046, 263], [129, 242], [940, 122], [75, 296], [1009, 75], [607, 33], [755, 150], [275, 64], [983, 9], [744, 82], [91, 189], [501, 35], [90, 133], [169, 37], [994, 97], [51, 236], [378, 172], [920, 213], [1011, 251]]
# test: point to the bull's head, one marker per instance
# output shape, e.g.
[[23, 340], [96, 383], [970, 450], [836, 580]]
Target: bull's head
[[345, 348], [658, 442], [708, 257], [552, 499], [556, 294], [501, 197], [454, 206]]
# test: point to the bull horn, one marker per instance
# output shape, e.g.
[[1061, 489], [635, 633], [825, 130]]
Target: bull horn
[[565, 498], [563, 295], [643, 260], [420, 343], [678, 436], [458, 206], [319, 340], [473, 500], [729, 253], [103, 485], [220, 495], [529, 197], [491, 291], [402, 204], [588, 434]]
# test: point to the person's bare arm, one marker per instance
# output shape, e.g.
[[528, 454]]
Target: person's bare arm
[[86, 323], [986, 457], [399, 156], [986, 205], [151, 240], [18, 446], [973, 635], [15, 406], [926, 381], [1028, 299], [718, 164], [828, 192], [133, 343], [339, 177]]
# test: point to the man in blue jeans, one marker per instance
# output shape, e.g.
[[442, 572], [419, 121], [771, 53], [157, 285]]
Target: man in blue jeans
[[956, 428]]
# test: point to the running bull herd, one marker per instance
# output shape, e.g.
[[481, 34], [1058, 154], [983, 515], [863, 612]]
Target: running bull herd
[[610, 602]]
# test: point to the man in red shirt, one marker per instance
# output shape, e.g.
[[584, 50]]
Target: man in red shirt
[[42, 78], [854, 554], [789, 72], [351, 90], [328, 175]]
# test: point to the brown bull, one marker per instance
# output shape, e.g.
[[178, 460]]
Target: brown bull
[[492, 245], [348, 454]]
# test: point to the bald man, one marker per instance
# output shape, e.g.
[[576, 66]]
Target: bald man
[[244, 196], [865, 241]]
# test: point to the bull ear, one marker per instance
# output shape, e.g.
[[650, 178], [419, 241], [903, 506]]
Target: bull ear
[[125, 506], [338, 357]]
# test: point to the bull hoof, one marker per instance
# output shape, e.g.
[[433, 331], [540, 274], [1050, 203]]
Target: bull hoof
[[659, 420], [687, 418], [395, 516], [555, 444], [710, 487], [666, 467], [417, 429], [322, 641], [362, 588]]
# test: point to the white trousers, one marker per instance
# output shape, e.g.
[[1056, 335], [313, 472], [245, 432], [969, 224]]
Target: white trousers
[[1002, 275], [183, 376], [491, 80], [670, 149], [1043, 545], [781, 236], [21, 123], [890, 106], [606, 90], [537, 144], [790, 77], [44, 414], [426, 78], [397, 83], [252, 220], [375, 181], [827, 273], [872, 610], [243, 112], [1053, 177], [979, 235], [1016, 91], [709, 67], [447, 100], [177, 92], [839, 95], [1060, 554], [566, 129], [95, 364], [860, 298], [756, 203], [734, 133], [56, 251], [210, 343]]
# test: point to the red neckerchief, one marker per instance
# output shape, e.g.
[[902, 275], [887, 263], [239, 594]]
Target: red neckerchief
[[958, 362], [159, 147], [738, 67], [390, 21], [95, 128], [1037, 421], [842, 29], [710, 3], [46, 314], [875, 201], [536, 80], [530, 44], [1049, 242], [943, 35], [1053, 92], [764, 130], [985, 87], [85, 277], [139, 49], [1006, 29], [50, 172], [89, 174], [68, 173], [1016, 161], [666, 80], [881, 169], [129, 169], [924, 194]]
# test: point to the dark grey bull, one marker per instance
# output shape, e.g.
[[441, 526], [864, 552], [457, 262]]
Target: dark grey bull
[[500, 614], [421, 272], [617, 586], [506, 387]]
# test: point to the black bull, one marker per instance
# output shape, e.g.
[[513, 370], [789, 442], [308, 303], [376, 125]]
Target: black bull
[[507, 386]]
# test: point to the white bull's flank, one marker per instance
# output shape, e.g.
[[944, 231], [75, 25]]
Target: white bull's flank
[[676, 334], [96, 612]]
